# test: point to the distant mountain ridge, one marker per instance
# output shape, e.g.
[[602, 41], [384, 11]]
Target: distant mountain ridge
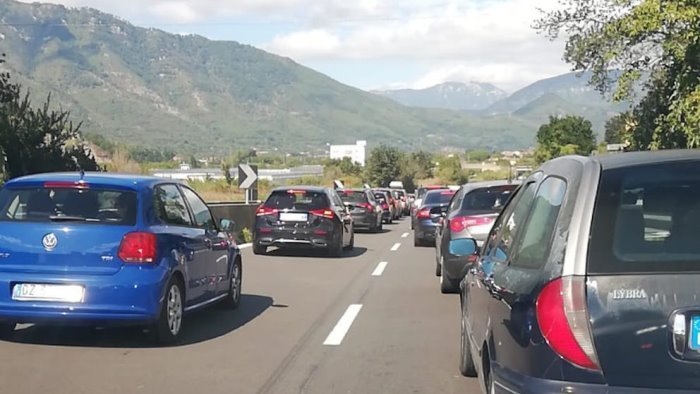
[[151, 88], [472, 96]]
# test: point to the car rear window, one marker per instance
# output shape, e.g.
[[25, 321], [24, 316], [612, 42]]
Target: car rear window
[[487, 200], [102, 206], [647, 219], [353, 196], [438, 197], [298, 200]]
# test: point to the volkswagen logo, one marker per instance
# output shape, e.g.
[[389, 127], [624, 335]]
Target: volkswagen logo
[[49, 241]]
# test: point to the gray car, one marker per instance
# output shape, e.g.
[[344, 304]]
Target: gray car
[[588, 281], [471, 214], [365, 210]]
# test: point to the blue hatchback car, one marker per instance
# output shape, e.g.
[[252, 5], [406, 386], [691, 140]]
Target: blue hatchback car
[[106, 249]]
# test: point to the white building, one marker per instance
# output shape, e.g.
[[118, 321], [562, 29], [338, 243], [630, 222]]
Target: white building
[[355, 152]]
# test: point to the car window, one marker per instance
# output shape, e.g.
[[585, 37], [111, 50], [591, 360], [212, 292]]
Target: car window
[[298, 200], [486, 200], [511, 223], [202, 215], [457, 200], [536, 235], [438, 197], [353, 196], [102, 206], [170, 207], [647, 219]]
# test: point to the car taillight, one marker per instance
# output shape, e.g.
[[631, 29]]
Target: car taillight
[[562, 314], [461, 223], [385, 205], [265, 211], [365, 205], [325, 213], [138, 247], [423, 213]]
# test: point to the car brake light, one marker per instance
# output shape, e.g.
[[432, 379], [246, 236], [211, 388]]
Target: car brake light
[[138, 247], [385, 205], [326, 213], [66, 185], [562, 314], [461, 223], [265, 211], [365, 205], [423, 213]]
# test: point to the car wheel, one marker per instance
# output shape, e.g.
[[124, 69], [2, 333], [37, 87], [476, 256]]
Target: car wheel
[[447, 285], [381, 226], [234, 291], [336, 248], [490, 383], [351, 246], [259, 249], [438, 269], [169, 325], [466, 362]]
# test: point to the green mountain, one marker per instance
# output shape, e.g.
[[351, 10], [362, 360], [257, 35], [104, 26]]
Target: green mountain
[[150, 88]]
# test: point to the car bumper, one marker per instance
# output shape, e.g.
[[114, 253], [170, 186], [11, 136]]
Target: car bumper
[[132, 295], [294, 239], [365, 220], [508, 382], [426, 231]]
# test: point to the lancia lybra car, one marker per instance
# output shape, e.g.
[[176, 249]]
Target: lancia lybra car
[[430, 215], [588, 280], [304, 217], [106, 249]]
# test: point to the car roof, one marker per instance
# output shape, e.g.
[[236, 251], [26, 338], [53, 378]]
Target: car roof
[[319, 189], [101, 178], [485, 184], [629, 159]]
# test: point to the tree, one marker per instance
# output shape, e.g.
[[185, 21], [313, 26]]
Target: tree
[[617, 128], [38, 140], [564, 136], [478, 155], [226, 169], [383, 165], [450, 171], [657, 40], [345, 166]]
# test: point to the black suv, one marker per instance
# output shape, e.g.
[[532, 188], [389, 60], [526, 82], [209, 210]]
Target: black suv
[[588, 281], [304, 217]]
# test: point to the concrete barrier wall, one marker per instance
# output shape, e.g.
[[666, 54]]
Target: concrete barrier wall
[[243, 215]]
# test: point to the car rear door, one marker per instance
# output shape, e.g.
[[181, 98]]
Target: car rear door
[[178, 231], [343, 214], [643, 274]]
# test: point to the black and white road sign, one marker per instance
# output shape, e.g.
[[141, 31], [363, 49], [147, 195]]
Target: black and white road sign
[[247, 176]]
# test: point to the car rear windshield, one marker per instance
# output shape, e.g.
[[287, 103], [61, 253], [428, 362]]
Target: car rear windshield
[[441, 197], [298, 200], [487, 200], [353, 196], [102, 206], [647, 219], [380, 196]]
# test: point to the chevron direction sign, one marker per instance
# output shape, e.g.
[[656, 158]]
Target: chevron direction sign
[[247, 176]]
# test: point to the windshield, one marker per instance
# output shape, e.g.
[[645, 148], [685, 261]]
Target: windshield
[[438, 197], [298, 200], [487, 200], [101, 206], [353, 196]]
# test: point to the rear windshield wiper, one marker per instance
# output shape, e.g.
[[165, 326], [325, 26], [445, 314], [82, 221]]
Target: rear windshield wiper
[[65, 218]]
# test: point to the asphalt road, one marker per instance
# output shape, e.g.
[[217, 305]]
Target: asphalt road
[[307, 324]]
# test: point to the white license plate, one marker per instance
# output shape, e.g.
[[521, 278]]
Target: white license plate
[[49, 293], [293, 217]]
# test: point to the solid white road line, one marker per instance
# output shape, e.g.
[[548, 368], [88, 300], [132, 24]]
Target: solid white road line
[[405, 235], [395, 247], [380, 269], [336, 336], [244, 246]]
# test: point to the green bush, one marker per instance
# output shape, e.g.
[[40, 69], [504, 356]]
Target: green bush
[[246, 235]]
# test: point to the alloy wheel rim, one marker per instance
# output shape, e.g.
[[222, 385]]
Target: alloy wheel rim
[[235, 282], [174, 310]]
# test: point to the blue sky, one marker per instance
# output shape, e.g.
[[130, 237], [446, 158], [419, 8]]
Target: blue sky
[[371, 44]]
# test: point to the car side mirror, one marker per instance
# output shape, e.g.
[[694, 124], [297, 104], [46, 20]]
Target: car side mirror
[[228, 226], [463, 247]]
